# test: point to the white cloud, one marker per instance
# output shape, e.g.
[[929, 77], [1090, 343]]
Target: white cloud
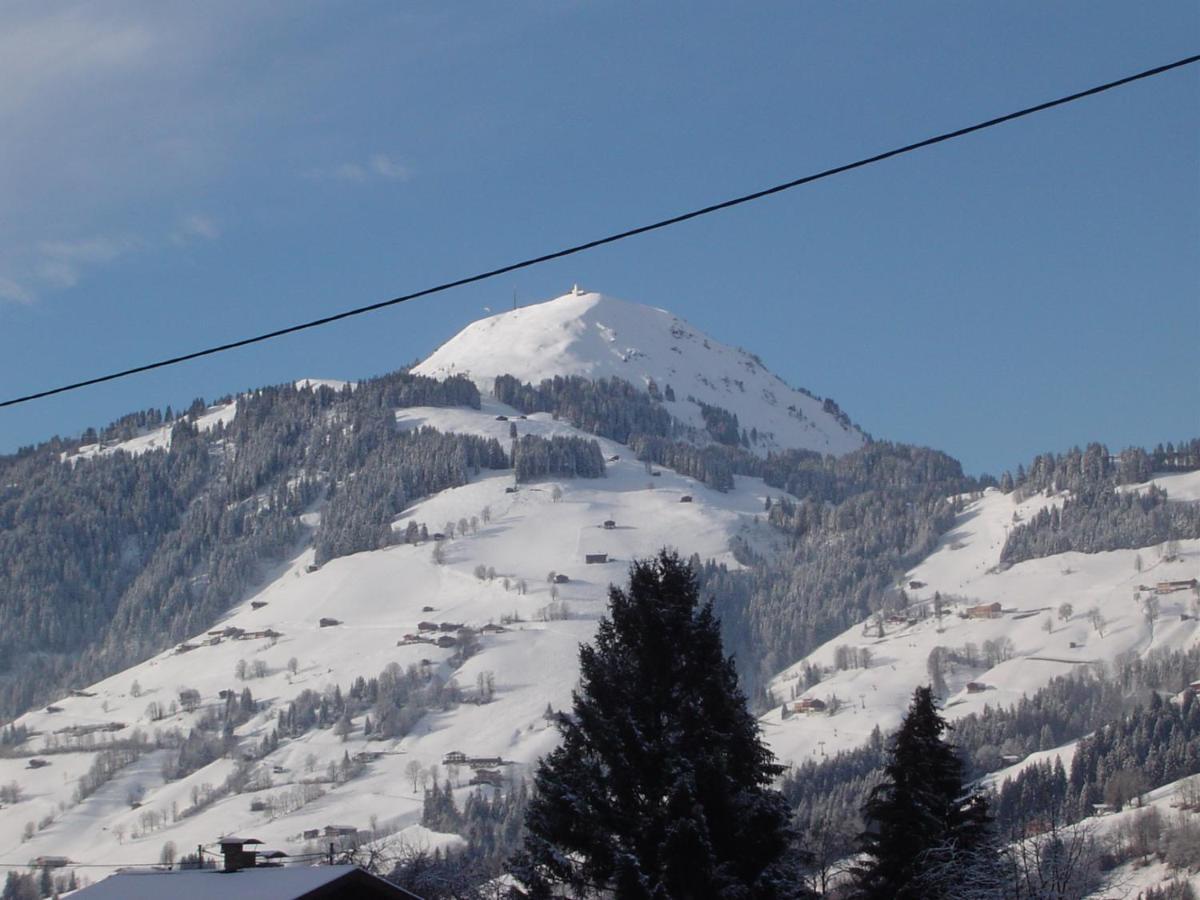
[[380, 167], [386, 167], [12, 292], [59, 263], [196, 227]]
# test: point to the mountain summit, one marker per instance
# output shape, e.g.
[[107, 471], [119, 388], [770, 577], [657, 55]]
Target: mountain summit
[[595, 336]]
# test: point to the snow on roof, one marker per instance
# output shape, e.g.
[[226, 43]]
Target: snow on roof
[[248, 884]]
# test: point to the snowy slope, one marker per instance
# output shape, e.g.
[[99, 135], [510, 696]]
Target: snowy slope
[[379, 596], [595, 336], [156, 438], [965, 567]]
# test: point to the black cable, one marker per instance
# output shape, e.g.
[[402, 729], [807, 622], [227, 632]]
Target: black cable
[[613, 238]]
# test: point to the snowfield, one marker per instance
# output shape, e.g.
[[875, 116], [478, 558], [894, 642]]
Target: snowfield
[[594, 336], [965, 570], [379, 597]]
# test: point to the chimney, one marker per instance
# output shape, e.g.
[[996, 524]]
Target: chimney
[[237, 857]]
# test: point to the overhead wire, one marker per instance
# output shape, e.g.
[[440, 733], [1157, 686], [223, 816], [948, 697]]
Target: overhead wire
[[614, 237]]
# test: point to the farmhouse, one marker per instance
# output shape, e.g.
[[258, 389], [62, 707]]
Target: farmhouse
[[984, 611], [976, 687], [50, 862], [610, 524], [246, 874], [427, 626], [1170, 587], [560, 578], [591, 558], [808, 705]]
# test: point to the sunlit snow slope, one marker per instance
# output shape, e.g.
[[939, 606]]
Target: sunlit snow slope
[[965, 570], [379, 597], [595, 336]]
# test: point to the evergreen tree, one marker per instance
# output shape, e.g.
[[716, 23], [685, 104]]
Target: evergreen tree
[[918, 814], [661, 786]]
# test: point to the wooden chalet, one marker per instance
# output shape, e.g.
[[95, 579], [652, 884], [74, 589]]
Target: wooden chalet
[[808, 705], [610, 524], [985, 611], [1170, 587], [686, 498], [593, 558], [976, 687], [328, 622], [49, 862]]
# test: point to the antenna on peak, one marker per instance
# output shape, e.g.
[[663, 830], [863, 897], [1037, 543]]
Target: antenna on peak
[[577, 291]]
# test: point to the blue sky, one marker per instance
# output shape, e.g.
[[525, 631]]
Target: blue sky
[[173, 175]]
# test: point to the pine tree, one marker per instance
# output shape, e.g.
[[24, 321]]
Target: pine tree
[[661, 786], [918, 818]]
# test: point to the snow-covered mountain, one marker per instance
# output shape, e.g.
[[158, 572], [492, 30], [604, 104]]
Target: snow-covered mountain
[[318, 629], [595, 336]]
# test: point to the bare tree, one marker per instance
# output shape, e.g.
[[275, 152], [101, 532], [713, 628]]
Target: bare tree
[[1150, 609], [1097, 620], [1063, 863], [166, 856], [414, 771], [1065, 611]]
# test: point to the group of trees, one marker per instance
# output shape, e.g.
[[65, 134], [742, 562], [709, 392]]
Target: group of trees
[[608, 407], [559, 456], [111, 557], [1102, 518], [661, 786]]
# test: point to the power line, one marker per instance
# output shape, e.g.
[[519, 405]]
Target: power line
[[613, 238]]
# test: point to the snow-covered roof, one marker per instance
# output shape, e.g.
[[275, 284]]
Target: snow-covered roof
[[286, 883]]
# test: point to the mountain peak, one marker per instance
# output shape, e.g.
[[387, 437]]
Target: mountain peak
[[593, 335]]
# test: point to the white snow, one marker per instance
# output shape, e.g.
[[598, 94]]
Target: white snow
[[156, 438], [596, 336], [965, 568], [379, 596]]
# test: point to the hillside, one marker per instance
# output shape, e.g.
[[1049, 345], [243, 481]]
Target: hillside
[[378, 597], [286, 612], [965, 571]]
